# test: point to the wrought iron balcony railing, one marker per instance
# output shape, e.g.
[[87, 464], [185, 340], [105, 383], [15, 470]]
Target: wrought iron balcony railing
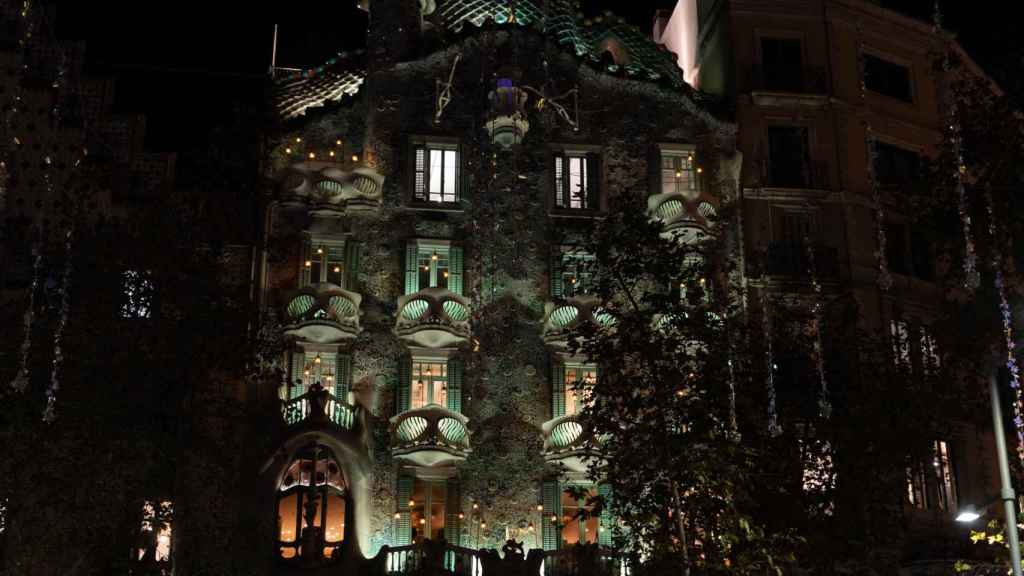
[[323, 313], [327, 187], [433, 317], [430, 436], [563, 317], [318, 406]]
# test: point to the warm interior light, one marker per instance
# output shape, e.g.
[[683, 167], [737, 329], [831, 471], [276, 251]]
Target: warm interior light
[[483, 524], [355, 158], [312, 156], [319, 250], [337, 142], [475, 505], [398, 515], [679, 174], [331, 153], [461, 515], [337, 268], [540, 507], [309, 263], [297, 140], [434, 256], [287, 150]]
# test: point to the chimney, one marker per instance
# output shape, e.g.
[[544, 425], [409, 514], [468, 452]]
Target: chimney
[[395, 30]]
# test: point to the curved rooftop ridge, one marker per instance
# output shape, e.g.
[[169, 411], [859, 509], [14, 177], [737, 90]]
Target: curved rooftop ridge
[[590, 39]]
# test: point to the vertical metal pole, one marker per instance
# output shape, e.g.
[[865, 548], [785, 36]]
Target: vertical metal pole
[[1006, 493], [273, 54]]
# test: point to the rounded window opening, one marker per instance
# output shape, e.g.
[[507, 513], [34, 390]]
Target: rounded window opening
[[312, 502]]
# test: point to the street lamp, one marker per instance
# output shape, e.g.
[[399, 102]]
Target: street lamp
[[967, 514], [1006, 493]]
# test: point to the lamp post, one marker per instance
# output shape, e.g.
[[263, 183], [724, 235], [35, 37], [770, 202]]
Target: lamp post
[[1006, 493]]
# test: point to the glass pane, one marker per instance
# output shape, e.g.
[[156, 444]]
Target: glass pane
[[287, 515], [668, 181], [442, 266], [424, 269], [590, 526], [577, 189], [570, 524], [418, 510], [450, 166], [436, 172], [436, 519], [335, 530], [419, 391]]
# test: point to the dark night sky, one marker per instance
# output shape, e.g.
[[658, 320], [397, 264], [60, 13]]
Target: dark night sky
[[185, 62]]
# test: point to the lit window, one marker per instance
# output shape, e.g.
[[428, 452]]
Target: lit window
[[437, 173], [429, 383], [577, 376], [155, 532], [916, 493], [930, 360], [678, 173], [137, 293], [433, 264], [575, 528], [310, 367], [328, 261], [311, 502], [933, 485], [945, 478], [572, 273], [427, 512], [899, 335], [576, 183]]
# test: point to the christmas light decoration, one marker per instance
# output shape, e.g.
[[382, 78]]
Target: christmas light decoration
[[21, 379], [824, 403], [49, 413], [972, 278], [884, 277], [774, 430]]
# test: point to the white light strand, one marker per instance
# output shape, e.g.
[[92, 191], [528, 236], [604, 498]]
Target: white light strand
[[21, 380], [49, 413], [824, 403], [972, 278], [774, 429], [884, 276], [1006, 315]]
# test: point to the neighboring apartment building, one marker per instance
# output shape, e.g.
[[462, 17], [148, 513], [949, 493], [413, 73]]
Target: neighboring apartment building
[[814, 83]]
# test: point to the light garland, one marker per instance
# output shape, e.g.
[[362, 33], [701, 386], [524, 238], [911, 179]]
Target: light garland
[[774, 429], [49, 413], [884, 276], [21, 380], [972, 278], [824, 404], [1006, 315]]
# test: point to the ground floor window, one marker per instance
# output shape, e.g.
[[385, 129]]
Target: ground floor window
[[312, 502]]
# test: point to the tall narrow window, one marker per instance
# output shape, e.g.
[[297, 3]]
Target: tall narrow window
[[155, 532], [789, 160], [678, 173], [945, 477], [330, 260], [427, 510], [312, 502], [917, 487], [931, 362], [137, 294], [572, 272], [433, 264], [436, 173], [895, 167], [429, 383], [782, 64], [577, 529], [576, 181], [899, 336], [577, 376]]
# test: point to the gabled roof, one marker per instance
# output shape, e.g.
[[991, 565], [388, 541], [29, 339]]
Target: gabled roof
[[297, 90]]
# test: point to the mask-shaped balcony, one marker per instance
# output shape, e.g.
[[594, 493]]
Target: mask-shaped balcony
[[433, 318], [327, 187], [318, 407], [675, 210], [430, 436], [567, 442], [562, 318], [323, 313]]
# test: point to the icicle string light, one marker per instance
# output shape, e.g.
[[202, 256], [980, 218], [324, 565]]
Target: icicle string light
[[1006, 314], [774, 429], [50, 413], [21, 380], [884, 276], [824, 403], [972, 278]]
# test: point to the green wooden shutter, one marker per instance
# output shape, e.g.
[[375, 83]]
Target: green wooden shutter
[[593, 181], [455, 269], [343, 376], [604, 533], [404, 386], [462, 184], [552, 501], [412, 273], [557, 389], [402, 535], [452, 505], [420, 170], [455, 384], [298, 381], [556, 274], [352, 250], [560, 181]]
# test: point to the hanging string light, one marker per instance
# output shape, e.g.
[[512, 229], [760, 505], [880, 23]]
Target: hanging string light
[[49, 413], [824, 403], [884, 276], [21, 379], [972, 278], [774, 429], [1006, 315]]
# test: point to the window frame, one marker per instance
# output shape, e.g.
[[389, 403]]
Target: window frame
[[421, 198], [316, 251], [593, 175], [809, 141], [454, 274], [894, 60], [429, 392], [572, 396], [760, 36], [679, 151], [581, 522]]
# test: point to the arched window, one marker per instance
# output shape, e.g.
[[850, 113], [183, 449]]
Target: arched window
[[311, 505]]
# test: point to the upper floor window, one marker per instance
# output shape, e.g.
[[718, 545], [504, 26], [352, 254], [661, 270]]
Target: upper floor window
[[578, 525], [436, 173], [781, 64], [433, 264], [427, 509], [137, 294], [427, 380], [577, 181], [932, 485], [908, 250], [572, 273], [789, 158], [914, 347], [330, 260], [887, 78], [678, 173], [895, 167], [329, 369], [899, 338], [569, 382]]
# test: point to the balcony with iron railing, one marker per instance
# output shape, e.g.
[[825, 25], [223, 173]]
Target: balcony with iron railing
[[430, 436], [323, 313], [798, 176], [568, 442], [318, 407], [563, 317], [433, 318], [789, 79], [675, 211]]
